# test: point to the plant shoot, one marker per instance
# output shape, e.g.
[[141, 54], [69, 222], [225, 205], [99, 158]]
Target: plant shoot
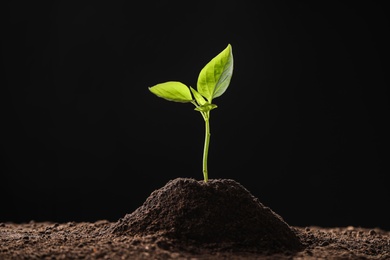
[[213, 80]]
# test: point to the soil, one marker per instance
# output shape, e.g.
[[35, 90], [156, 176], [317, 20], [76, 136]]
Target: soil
[[190, 219]]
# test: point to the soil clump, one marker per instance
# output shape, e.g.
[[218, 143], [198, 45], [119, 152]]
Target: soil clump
[[218, 213]]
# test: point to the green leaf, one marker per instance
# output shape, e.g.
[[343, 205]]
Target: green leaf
[[172, 91], [198, 97], [206, 107], [215, 77]]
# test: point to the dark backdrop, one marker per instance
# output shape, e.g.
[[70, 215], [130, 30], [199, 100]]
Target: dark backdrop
[[303, 124]]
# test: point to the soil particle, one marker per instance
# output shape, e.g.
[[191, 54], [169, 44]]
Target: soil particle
[[189, 219]]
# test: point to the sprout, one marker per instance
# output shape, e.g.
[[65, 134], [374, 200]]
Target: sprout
[[213, 81]]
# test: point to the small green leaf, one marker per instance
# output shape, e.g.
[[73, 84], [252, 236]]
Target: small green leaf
[[206, 107], [198, 97], [215, 77], [172, 91]]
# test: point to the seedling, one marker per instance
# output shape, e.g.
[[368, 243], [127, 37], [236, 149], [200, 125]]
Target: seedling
[[213, 80]]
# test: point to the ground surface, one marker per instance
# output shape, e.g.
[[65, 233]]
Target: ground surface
[[188, 219]]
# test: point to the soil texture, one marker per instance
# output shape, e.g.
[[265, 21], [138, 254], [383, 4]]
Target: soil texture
[[190, 219]]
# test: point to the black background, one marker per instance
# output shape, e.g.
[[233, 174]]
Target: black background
[[303, 124]]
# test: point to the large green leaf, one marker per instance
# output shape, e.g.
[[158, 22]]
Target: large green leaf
[[215, 77], [172, 91]]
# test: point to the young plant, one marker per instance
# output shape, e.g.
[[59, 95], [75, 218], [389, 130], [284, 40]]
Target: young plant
[[213, 80]]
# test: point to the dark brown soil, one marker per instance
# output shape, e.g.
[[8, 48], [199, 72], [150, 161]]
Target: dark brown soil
[[189, 219]]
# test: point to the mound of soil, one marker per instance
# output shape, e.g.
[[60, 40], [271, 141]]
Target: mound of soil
[[217, 213], [189, 219]]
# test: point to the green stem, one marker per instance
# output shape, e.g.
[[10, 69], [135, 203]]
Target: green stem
[[206, 145]]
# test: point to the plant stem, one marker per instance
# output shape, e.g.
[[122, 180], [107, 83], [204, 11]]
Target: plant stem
[[206, 145]]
